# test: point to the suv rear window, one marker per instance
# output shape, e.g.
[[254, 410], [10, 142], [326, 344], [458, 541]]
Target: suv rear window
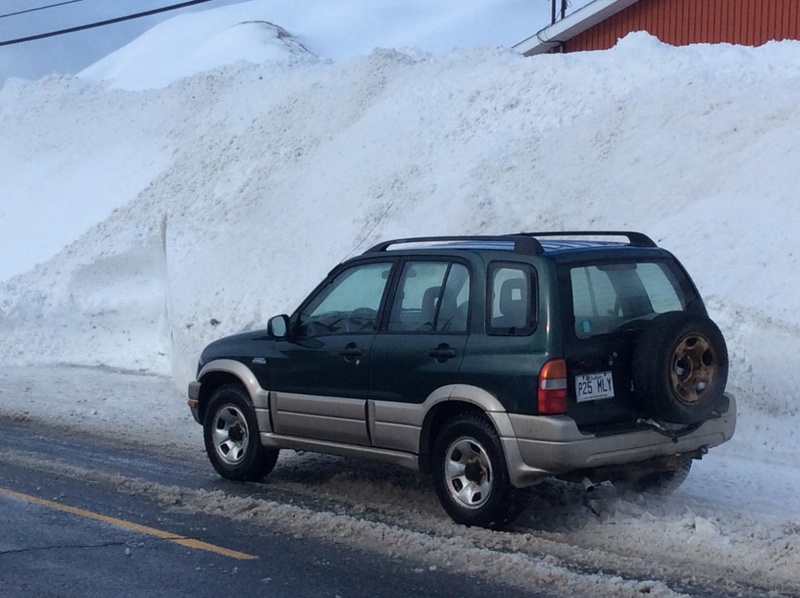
[[607, 296]]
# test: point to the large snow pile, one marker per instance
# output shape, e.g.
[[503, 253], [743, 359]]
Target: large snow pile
[[253, 180], [51, 197]]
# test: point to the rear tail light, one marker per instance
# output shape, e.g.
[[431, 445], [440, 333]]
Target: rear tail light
[[552, 395]]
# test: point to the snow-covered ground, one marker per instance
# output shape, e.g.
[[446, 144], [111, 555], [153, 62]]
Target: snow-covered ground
[[192, 205], [734, 523]]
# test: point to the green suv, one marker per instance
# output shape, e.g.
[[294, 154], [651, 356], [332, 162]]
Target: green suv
[[490, 362]]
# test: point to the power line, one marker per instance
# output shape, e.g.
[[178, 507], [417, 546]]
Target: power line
[[138, 15], [27, 10]]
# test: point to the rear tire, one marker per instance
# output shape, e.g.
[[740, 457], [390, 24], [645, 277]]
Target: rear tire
[[230, 432], [471, 475]]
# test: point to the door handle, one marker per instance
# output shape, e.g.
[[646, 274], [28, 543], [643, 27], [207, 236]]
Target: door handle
[[442, 353], [350, 352]]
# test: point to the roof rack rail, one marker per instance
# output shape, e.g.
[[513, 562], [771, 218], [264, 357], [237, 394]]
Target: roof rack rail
[[634, 238], [523, 243]]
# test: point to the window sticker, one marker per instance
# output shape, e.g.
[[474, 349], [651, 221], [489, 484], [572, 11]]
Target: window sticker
[[586, 327]]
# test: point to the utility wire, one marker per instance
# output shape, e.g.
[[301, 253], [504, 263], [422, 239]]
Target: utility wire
[[27, 10], [138, 15]]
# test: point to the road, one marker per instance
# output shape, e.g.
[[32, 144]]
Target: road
[[73, 524], [326, 526]]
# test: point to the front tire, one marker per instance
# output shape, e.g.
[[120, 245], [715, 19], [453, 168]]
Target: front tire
[[471, 476], [230, 432]]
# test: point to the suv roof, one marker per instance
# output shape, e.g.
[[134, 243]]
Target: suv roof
[[527, 243]]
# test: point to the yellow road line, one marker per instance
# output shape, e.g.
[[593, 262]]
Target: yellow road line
[[142, 529]]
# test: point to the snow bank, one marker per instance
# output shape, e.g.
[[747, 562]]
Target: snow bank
[[71, 152], [251, 181], [60, 175]]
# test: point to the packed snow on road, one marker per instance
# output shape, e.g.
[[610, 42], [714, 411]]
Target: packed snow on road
[[151, 206]]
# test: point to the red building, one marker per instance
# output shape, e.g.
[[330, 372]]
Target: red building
[[598, 25]]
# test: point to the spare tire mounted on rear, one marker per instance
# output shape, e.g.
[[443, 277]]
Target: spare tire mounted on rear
[[680, 367]]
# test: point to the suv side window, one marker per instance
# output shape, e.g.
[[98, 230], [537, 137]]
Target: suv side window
[[431, 296], [349, 303], [511, 300]]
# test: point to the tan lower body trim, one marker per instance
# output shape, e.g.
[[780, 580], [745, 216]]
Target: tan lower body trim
[[407, 460]]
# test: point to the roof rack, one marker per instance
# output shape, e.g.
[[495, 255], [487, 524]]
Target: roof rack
[[526, 243], [634, 238]]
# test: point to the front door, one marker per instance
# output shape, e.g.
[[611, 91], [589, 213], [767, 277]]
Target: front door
[[319, 375]]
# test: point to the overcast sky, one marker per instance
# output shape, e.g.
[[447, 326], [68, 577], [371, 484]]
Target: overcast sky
[[73, 52]]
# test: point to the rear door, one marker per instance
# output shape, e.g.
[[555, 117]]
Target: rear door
[[611, 303], [421, 343]]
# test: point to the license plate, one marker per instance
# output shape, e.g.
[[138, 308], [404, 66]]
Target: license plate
[[592, 387]]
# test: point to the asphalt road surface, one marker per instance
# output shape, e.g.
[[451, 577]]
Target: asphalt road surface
[[66, 533]]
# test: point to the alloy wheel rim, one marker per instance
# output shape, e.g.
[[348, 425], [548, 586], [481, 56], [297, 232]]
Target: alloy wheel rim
[[231, 435], [468, 473]]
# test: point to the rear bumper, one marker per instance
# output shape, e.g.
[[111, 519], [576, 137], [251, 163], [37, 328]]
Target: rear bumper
[[543, 446]]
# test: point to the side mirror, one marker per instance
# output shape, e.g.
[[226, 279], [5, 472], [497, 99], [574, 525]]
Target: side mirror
[[278, 326]]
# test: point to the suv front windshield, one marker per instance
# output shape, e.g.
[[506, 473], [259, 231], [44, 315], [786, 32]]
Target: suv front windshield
[[606, 297]]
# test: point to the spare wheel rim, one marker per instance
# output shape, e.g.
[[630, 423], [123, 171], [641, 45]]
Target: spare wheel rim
[[693, 368]]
